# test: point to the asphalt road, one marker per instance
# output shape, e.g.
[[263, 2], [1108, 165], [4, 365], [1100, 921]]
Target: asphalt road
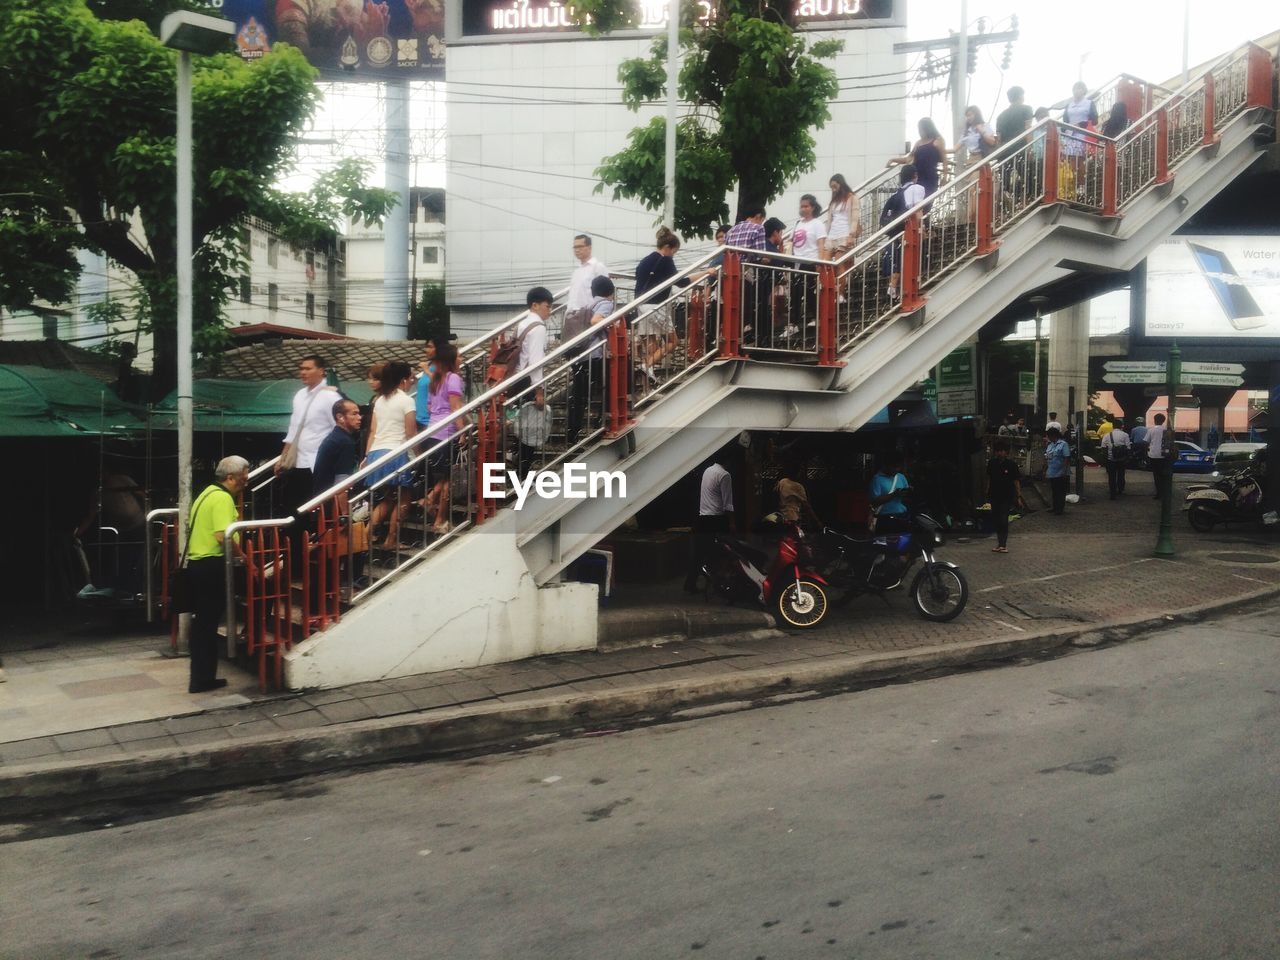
[[1112, 804]]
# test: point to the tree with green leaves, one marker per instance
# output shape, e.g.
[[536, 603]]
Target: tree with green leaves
[[429, 317], [753, 89], [87, 104]]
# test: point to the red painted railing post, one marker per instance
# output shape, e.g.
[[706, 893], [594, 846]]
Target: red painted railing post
[[1110, 178], [695, 331], [827, 335], [731, 306], [1260, 77], [912, 243], [1051, 153], [1209, 137], [1162, 145], [618, 379], [986, 210], [488, 422], [1130, 93]]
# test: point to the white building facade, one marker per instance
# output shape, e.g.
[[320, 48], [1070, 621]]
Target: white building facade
[[531, 114], [365, 263]]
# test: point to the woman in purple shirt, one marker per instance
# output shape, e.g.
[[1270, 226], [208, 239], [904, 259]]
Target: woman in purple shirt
[[444, 396]]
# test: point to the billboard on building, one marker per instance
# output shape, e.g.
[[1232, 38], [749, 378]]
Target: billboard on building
[[1214, 287], [491, 18], [347, 39]]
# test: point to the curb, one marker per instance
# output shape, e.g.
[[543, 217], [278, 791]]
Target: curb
[[620, 629], [36, 789]]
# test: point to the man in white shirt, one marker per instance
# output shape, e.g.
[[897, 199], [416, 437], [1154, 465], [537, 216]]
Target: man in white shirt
[[715, 515], [1156, 460], [1115, 455], [588, 269], [532, 334], [310, 423]]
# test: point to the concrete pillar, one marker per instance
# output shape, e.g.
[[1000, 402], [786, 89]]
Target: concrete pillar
[[1273, 437], [1213, 410], [1068, 359], [1133, 400], [395, 244]]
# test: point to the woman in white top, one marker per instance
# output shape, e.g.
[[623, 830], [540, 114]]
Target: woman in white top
[[844, 225], [977, 140], [1080, 111], [393, 423]]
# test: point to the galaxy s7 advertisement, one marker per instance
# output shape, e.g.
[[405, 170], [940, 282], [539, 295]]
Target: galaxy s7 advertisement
[[1214, 286]]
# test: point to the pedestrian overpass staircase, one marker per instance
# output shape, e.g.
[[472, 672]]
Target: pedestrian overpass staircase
[[734, 342]]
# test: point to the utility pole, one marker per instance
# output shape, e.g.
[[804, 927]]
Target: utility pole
[[963, 49], [673, 97]]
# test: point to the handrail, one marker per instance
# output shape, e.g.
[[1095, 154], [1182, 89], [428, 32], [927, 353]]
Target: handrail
[[262, 468], [564, 349], [229, 559], [147, 556]]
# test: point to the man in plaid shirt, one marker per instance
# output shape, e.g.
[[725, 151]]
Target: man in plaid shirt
[[748, 234]]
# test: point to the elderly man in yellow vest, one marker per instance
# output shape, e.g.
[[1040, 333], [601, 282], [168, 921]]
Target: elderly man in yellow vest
[[211, 513]]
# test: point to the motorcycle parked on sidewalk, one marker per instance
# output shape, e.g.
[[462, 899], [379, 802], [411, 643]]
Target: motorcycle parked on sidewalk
[[790, 589], [878, 564], [1236, 498]]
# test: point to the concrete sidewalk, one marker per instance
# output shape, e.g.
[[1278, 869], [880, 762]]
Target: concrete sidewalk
[[101, 725]]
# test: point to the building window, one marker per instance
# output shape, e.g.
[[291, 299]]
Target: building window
[[430, 254], [246, 290], [49, 324], [331, 315], [273, 297], [311, 306], [273, 254]]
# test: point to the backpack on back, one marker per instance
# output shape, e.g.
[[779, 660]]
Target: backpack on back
[[506, 355]]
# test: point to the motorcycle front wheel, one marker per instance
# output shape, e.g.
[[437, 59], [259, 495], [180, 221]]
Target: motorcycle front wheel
[[801, 603], [939, 594], [1202, 518]]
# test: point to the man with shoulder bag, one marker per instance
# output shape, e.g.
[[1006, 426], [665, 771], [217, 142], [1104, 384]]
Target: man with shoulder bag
[[205, 567], [1115, 453]]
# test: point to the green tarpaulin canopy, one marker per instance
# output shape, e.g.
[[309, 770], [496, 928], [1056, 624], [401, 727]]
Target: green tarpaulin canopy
[[242, 406], [38, 402]]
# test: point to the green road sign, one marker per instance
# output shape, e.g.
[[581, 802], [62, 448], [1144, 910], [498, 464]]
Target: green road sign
[[956, 370]]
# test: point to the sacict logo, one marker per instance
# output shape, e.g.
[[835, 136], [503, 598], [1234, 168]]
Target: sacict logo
[[575, 482]]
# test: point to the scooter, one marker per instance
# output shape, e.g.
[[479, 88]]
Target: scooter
[[879, 564], [1236, 498], [791, 589]]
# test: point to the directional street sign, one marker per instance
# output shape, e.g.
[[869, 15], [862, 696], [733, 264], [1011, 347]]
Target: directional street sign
[[1135, 366], [1136, 376], [1234, 369], [1210, 379]]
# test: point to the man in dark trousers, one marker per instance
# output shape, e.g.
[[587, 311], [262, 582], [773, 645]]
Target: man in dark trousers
[[715, 515], [337, 455], [1004, 490], [211, 513]]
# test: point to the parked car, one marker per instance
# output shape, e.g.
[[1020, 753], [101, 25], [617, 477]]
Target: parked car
[[1192, 458], [1233, 456]]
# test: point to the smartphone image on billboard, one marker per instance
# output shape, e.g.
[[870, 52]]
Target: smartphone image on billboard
[[1233, 296]]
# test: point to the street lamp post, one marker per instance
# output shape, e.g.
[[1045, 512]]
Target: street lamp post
[[1164, 543], [187, 33]]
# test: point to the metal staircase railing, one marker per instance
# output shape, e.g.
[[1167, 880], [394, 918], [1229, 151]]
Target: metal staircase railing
[[749, 305]]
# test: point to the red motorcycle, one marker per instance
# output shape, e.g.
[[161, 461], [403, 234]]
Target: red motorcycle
[[791, 589]]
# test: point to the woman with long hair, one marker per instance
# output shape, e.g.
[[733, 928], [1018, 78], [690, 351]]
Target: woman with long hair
[[393, 424], [926, 155], [976, 142], [445, 397], [844, 225]]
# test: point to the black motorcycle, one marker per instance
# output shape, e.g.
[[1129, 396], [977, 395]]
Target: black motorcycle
[[880, 563], [1236, 498]]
